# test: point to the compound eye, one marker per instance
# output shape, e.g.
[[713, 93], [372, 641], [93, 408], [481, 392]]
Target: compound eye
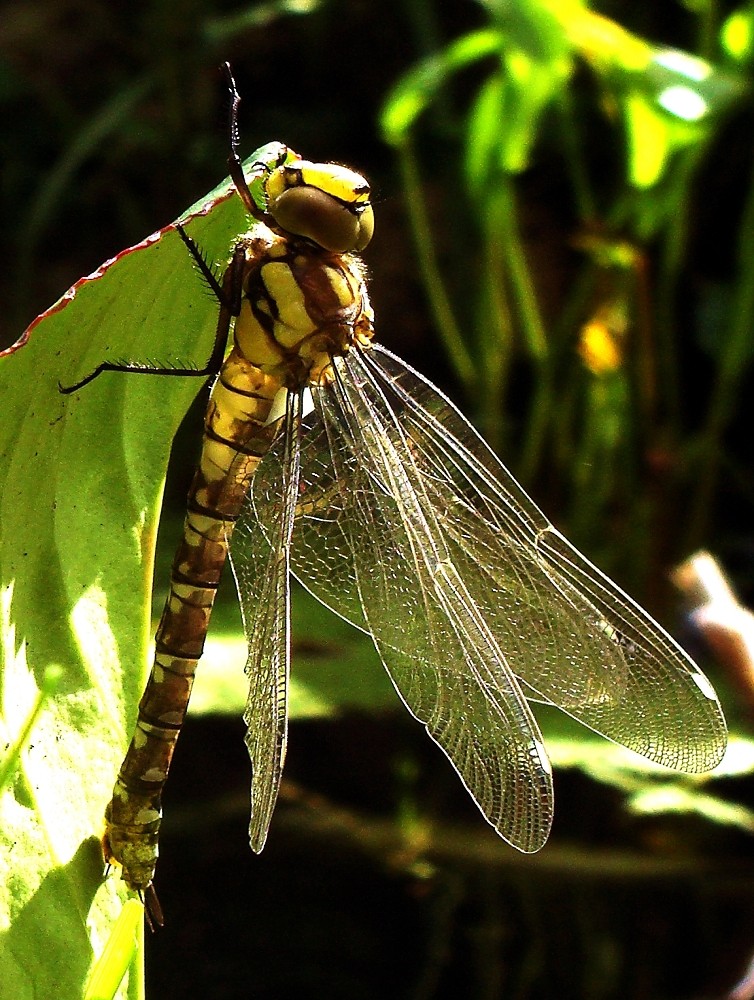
[[310, 212], [366, 227]]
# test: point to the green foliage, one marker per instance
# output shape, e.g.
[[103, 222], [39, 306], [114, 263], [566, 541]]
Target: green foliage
[[111, 966], [607, 366], [81, 482]]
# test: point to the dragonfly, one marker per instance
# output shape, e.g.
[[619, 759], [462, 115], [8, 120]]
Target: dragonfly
[[328, 458]]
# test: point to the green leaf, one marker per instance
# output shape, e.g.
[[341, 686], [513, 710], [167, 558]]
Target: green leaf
[[111, 966], [649, 141], [418, 88], [81, 480], [670, 106], [531, 85], [536, 63], [677, 798], [483, 142]]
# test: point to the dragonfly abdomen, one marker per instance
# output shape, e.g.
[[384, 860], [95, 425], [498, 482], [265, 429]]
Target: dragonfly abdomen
[[300, 307], [236, 437]]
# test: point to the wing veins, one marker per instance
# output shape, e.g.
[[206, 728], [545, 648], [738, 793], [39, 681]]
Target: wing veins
[[261, 561]]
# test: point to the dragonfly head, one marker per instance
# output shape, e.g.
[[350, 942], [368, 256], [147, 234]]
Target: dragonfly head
[[323, 202]]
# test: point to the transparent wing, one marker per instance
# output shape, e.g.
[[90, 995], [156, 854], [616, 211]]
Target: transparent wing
[[569, 634], [260, 556], [368, 543]]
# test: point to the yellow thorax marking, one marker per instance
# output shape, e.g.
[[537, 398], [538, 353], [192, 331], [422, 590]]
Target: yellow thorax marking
[[294, 322], [343, 285]]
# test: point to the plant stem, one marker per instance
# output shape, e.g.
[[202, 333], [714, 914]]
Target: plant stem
[[438, 298]]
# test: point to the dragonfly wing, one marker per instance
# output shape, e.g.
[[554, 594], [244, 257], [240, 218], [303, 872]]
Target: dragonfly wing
[[368, 544], [570, 635], [260, 555]]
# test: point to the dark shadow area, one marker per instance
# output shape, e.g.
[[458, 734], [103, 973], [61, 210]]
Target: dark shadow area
[[338, 905]]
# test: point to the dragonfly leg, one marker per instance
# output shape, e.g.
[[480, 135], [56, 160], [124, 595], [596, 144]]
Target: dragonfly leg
[[152, 908], [229, 297], [235, 165]]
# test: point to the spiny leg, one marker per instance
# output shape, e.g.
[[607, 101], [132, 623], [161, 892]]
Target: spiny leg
[[228, 294], [235, 164]]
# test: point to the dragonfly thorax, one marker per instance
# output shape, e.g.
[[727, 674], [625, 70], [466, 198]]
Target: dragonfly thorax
[[302, 306]]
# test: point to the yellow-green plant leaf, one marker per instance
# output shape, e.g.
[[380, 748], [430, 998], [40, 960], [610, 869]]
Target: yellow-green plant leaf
[[80, 486]]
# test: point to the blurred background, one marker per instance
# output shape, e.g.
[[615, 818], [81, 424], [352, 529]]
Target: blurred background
[[564, 242]]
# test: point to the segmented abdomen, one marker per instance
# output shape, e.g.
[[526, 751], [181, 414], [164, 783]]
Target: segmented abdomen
[[301, 306], [235, 439]]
